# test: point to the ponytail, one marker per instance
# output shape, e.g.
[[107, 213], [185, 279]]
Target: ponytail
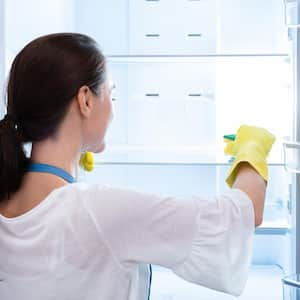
[[13, 160]]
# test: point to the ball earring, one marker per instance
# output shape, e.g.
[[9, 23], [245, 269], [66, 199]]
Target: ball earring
[[86, 161]]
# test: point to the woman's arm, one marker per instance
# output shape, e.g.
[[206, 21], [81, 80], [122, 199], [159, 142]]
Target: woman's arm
[[204, 240], [250, 182]]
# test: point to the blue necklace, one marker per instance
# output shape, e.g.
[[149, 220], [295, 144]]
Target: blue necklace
[[45, 168]]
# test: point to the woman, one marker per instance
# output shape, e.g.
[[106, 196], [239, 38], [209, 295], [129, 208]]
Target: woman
[[85, 241]]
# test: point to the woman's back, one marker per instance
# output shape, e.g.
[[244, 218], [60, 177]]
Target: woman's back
[[55, 249]]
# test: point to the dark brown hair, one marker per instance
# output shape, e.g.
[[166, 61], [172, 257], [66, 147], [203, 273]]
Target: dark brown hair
[[44, 78]]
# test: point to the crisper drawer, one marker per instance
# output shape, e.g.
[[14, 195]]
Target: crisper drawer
[[185, 27]]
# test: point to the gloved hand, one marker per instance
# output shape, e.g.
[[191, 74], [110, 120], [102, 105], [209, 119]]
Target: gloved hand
[[251, 144], [87, 161]]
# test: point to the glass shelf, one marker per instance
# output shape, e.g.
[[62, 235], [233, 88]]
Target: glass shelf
[[190, 58], [189, 155], [164, 163]]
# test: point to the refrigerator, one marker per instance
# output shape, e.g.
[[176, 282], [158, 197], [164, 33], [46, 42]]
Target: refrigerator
[[186, 73]]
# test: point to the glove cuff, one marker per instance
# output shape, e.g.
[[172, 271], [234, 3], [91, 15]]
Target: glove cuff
[[258, 162]]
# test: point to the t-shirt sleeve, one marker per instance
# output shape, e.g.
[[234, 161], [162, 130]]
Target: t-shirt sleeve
[[207, 241]]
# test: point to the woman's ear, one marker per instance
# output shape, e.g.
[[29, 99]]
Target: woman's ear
[[84, 101]]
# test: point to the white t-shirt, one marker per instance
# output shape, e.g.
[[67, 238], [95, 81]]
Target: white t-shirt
[[90, 242]]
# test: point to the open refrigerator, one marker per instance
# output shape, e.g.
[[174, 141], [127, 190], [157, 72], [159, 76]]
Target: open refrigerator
[[186, 73]]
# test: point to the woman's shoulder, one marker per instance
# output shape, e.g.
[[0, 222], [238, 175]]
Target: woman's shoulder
[[98, 195], [89, 192], [96, 189], [86, 188]]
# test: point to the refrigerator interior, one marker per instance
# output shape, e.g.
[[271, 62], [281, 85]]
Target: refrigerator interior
[[186, 73]]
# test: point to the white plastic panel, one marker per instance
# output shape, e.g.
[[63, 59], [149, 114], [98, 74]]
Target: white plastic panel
[[253, 26], [172, 27], [106, 21], [168, 104], [162, 107], [184, 27], [143, 27]]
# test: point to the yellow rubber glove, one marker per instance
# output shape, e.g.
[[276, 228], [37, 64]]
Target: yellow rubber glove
[[87, 161], [252, 144]]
